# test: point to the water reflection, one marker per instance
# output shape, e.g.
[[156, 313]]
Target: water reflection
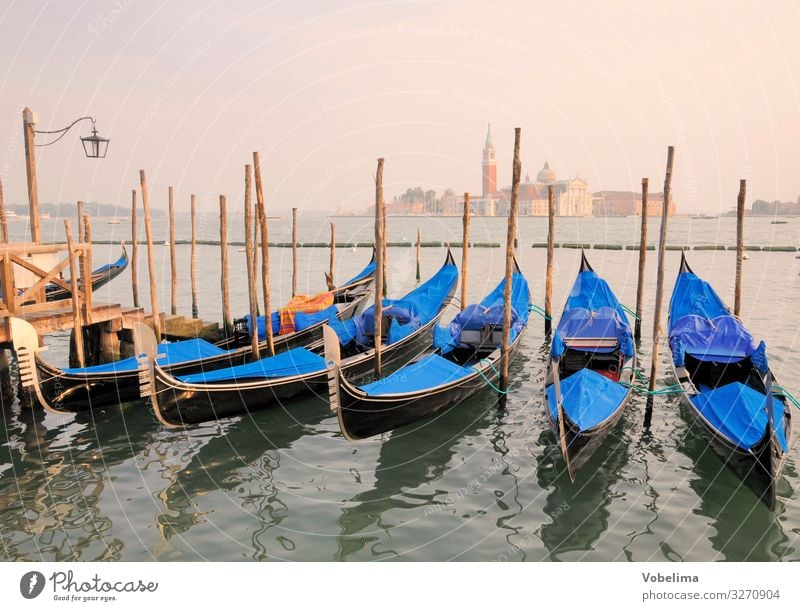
[[579, 510], [54, 478], [407, 460]]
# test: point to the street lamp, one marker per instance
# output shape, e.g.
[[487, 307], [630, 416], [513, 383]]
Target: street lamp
[[94, 147]]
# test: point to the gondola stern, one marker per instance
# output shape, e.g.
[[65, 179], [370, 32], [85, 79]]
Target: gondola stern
[[585, 266], [25, 342]]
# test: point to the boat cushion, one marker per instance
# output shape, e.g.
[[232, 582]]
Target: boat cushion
[[297, 361], [739, 413], [588, 398], [302, 320], [584, 329], [432, 370], [722, 339], [168, 354]]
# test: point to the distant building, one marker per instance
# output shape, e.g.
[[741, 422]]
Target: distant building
[[628, 203]]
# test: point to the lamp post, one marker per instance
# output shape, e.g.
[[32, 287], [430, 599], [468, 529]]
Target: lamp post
[[94, 146]]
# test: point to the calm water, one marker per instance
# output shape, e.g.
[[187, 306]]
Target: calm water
[[477, 483]]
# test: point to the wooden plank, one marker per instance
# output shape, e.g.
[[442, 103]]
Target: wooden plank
[[77, 327], [173, 261], [193, 257], [262, 223], [51, 275], [379, 269], [227, 323], [9, 287], [151, 266], [135, 252]]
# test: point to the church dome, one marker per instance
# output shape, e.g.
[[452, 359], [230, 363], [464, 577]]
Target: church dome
[[546, 175]]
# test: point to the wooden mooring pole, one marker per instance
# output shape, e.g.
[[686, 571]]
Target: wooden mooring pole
[[252, 286], [193, 257], [419, 250], [173, 259], [77, 323], [294, 252], [737, 293], [329, 279], [637, 324], [508, 286], [227, 323], [134, 252], [662, 246], [262, 223], [79, 207], [3, 219], [379, 269], [551, 244], [151, 264], [464, 251], [86, 259]]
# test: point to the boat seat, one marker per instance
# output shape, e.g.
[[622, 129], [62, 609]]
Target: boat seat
[[592, 344], [487, 335]]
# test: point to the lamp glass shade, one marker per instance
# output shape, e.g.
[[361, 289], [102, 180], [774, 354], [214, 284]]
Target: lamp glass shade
[[94, 146]]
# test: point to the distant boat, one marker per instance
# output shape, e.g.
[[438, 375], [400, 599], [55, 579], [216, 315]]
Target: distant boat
[[44, 216], [703, 217], [117, 220], [166, 243]]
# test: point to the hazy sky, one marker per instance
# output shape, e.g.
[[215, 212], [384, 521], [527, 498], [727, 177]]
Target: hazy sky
[[187, 90]]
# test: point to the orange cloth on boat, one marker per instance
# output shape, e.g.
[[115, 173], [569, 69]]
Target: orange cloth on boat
[[305, 304]]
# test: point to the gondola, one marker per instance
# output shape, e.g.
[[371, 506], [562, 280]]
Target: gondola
[[464, 360], [591, 366], [409, 324], [100, 277], [306, 324], [728, 387], [77, 389]]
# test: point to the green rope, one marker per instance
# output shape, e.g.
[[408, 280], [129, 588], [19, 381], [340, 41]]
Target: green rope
[[629, 311], [487, 380], [781, 390], [538, 310]]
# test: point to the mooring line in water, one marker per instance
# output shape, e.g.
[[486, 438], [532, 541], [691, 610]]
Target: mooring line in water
[[782, 391], [629, 311], [487, 380], [536, 309]]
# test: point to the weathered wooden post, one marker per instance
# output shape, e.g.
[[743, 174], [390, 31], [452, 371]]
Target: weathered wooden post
[[193, 258], [173, 259], [637, 324], [551, 244], [385, 247], [507, 288], [737, 294], [227, 324], [79, 207], [662, 246], [28, 123], [77, 323], [419, 250], [252, 287], [464, 249], [262, 222], [379, 269], [3, 222], [294, 252], [151, 264], [329, 279], [134, 252], [87, 266]]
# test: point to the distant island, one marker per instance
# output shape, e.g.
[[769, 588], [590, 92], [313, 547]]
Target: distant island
[[67, 210]]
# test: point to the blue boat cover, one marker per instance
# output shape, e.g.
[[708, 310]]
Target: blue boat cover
[[301, 320], [297, 361], [739, 413], [432, 370], [592, 311], [588, 398], [168, 354], [488, 312], [411, 312], [701, 325]]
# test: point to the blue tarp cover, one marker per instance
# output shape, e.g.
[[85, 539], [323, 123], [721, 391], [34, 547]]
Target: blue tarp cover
[[739, 412], [488, 311], [592, 311], [304, 321], [691, 295], [429, 371], [416, 309], [588, 398], [168, 354], [293, 362], [722, 339]]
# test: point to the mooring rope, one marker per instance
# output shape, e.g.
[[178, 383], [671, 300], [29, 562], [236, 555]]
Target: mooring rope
[[781, 390], [487, 380], [629, 311], [538, 310]]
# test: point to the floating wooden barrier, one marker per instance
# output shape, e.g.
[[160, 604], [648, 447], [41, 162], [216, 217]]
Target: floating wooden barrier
[[607, 246], [576, 245], [708, 247]]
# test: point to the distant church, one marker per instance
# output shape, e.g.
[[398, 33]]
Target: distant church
[[572, 197]]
